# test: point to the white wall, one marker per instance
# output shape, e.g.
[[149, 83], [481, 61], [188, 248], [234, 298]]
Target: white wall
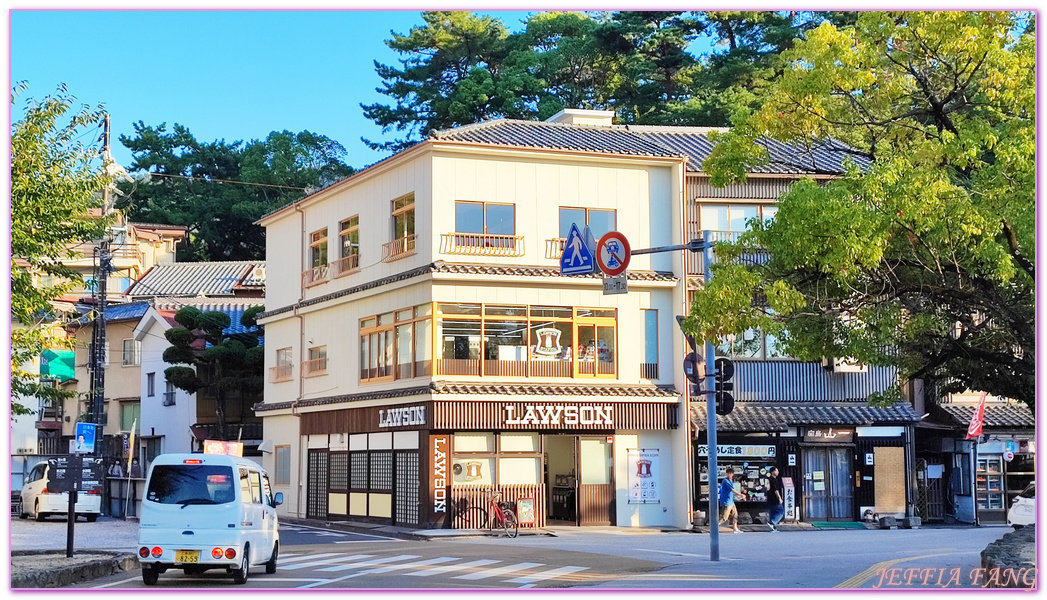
[[171, 422]]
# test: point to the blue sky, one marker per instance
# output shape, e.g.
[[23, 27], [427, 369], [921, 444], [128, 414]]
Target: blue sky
[[232, 75]]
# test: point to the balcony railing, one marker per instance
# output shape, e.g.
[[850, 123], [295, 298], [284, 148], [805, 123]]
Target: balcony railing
[[116, 251], [398, 248], [482, 244], [554, 248], [314, 276], [346, 265], [521, 368], [280, 373], [314, 368]]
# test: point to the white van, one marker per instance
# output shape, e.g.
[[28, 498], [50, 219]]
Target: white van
[[207, 511], [40, 499]]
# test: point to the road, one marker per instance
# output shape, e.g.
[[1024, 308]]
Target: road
[[608, 558]]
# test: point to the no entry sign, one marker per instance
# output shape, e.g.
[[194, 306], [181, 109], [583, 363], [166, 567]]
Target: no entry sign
[[612, 253]]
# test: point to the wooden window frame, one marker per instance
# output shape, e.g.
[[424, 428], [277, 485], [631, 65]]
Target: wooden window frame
[[371, 325], [348, 262]]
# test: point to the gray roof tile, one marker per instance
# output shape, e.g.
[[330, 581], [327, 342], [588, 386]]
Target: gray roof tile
[[997, 415], [196, 279], [753, 417]]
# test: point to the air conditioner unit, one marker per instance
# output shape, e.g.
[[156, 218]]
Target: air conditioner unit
[[844, 365]]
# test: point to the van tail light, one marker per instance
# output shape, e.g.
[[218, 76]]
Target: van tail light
[[230, 552], [216, 553], [93, 493], [157, 551], [143, 552]]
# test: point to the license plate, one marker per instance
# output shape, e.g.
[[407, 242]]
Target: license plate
[[187, 556]]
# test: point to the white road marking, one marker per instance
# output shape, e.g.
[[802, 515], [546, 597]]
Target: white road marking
[[327, 561], [421, 563], [377, 541], [111, 584], [500, 571], [450, 568], [281, 558], [547, 574], [369, 563]]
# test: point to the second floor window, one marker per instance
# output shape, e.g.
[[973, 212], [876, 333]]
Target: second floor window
[[317, 363], [282, 370], [349, 244], [600, 222], [483, 218], [733, 217], [403, 217], [150, 384], [318, 248], [132, 352]]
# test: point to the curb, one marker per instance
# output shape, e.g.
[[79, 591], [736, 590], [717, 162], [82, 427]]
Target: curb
[[402, 532], [68, 575]]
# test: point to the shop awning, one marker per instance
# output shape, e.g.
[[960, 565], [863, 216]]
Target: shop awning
[[761, 417]]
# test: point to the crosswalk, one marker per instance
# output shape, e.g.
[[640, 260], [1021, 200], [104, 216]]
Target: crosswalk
[[327, 567]]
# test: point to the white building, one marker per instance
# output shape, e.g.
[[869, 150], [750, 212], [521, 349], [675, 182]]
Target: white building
[[421, 344]]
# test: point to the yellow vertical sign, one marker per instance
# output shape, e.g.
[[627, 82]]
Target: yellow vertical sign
[[131, 446]]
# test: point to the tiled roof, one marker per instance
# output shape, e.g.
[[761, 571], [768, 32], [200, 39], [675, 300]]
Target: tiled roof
[[997, 415], [113, 312], [660, 141], [763, 417], [196, 279], [474, 269], [527, 389], [234, 308], [529, 271], [479, 389], [557, 136]]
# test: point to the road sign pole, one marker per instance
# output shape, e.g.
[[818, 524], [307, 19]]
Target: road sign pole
[[710, 427]]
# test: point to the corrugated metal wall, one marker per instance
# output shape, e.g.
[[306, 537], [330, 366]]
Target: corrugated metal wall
[[793, 381]]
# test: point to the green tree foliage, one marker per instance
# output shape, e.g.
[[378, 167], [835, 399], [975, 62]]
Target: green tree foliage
[[218, 189], [56, 180], [230, 365], [923, 257]]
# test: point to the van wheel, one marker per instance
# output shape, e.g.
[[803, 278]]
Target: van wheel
[[240, 575], [91, 518], [150, 575], [39, 515], [270, 567]]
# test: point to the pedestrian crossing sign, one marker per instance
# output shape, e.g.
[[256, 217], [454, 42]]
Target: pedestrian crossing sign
[[577, 257]]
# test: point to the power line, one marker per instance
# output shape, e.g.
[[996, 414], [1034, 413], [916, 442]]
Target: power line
[[213, 179]]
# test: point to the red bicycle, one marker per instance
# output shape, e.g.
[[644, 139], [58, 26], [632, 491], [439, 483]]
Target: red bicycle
[[504, 516]]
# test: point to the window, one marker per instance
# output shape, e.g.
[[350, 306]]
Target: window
[[132, 352], [317, 272], [403, 228], [150, 384], [283, 465], [318, 248], [317, 363], [282, 370], [600, 221], [397, 344], [349, 246], [488, 226], [649, 367], [169, 394], [256, 487], [130, 414], [521, 341], [733, 217]]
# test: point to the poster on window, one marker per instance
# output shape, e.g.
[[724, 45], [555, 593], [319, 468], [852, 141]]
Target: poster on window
[[643, 476]]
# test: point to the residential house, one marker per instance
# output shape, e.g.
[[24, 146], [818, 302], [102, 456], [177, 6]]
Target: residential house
[[423, 346]]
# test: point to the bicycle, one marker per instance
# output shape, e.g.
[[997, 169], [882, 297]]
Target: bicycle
[[464, 516], [504, 516]]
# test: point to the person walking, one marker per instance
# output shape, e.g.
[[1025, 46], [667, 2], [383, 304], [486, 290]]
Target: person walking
[[728, 490], [776, 497]]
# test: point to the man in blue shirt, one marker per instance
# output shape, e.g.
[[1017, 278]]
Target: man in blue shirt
[[728, 490]]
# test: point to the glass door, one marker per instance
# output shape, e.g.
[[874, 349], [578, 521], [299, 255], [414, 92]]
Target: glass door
[[596, 349], [815, 489], [840, 484], [595, 481], [989, 489]]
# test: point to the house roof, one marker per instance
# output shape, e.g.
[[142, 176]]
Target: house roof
[[1000, 415], [130, 311], [198, 279], [234, 308], [753, 417], [655, 141]]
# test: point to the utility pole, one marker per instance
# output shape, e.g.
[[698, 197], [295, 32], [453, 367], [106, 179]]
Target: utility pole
[[103, 267]]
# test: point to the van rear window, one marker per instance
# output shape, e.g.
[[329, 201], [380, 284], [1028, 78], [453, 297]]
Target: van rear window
[[191, 484]]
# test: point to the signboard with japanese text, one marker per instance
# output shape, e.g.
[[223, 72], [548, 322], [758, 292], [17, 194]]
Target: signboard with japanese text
[[789, 497], [760, 451], [829, 435], [644, 487]]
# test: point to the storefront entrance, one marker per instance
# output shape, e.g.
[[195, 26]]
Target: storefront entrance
[[828, 484], [580, 479]]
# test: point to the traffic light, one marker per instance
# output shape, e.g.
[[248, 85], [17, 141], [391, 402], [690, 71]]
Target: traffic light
[[724, 386]]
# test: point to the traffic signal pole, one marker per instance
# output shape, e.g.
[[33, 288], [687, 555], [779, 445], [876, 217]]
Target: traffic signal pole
[[710, 426]]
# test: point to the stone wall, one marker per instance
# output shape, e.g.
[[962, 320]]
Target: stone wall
[[1010, 562]]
